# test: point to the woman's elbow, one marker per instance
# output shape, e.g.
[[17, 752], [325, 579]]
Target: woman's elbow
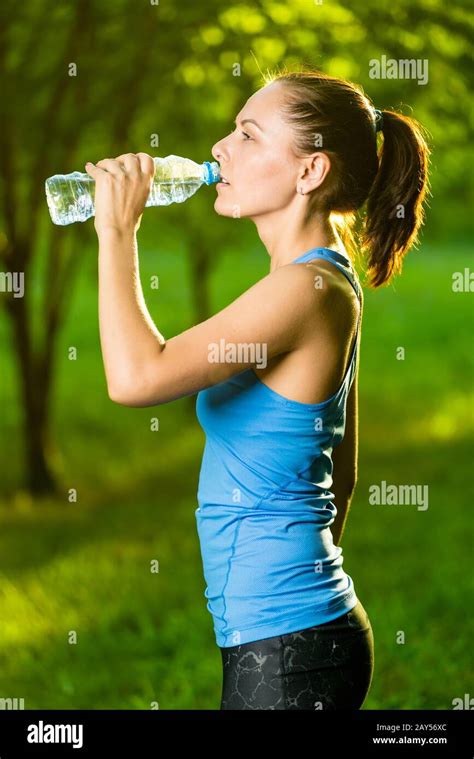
[[126, 395]]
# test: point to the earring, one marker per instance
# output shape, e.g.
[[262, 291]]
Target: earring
[[301, 191]]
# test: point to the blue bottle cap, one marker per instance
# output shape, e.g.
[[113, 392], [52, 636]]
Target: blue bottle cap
[[212, 172]]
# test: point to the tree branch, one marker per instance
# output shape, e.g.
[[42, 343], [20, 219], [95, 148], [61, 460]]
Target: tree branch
[[52, 113]]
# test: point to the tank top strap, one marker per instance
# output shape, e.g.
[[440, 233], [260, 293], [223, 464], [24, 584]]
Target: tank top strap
[[342, 261]]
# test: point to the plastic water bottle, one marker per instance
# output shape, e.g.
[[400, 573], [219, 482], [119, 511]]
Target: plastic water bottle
[[70, 197]]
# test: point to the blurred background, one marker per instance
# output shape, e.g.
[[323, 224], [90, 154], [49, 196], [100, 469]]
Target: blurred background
[[92, 493]]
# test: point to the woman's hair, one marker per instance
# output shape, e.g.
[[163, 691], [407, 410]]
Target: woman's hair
[[335, 115]]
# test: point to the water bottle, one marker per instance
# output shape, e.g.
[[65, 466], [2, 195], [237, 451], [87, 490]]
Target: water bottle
[[70, 197]]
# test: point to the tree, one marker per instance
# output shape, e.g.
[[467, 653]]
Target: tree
[[85, 75], [63, 103]]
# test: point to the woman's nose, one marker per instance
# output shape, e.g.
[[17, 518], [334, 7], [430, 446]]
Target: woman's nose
[[216, 154], [216, 151]]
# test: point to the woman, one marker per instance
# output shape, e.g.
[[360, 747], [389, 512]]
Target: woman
[[276, 374]]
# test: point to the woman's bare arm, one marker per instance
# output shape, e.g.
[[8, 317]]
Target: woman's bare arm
[[145, 369]]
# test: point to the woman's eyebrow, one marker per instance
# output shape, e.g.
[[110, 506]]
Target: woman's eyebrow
[[251, 120]]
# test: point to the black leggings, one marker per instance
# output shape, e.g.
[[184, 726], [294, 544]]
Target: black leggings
[[327, 666]]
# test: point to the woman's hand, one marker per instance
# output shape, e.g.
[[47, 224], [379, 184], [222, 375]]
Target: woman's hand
[[122, 186]]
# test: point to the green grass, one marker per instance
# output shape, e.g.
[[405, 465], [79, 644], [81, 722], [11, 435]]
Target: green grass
[[83, 567]]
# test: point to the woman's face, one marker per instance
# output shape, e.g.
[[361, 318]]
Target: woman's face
[[257, 161]]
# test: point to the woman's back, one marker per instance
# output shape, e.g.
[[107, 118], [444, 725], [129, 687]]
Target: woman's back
[[311, 372]]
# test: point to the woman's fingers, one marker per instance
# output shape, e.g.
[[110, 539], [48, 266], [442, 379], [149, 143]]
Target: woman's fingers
[[94, 171], [130, 161], [127, 163], [111, 165], [147, 163]]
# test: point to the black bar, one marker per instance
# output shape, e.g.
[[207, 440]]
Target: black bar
[[155, 733]]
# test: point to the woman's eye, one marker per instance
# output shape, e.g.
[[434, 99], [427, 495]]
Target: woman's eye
[[247, 135]]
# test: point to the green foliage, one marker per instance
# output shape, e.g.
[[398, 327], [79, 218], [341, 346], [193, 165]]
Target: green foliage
[[182, 72]]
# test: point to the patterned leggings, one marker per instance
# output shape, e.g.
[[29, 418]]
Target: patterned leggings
[[328, 666]]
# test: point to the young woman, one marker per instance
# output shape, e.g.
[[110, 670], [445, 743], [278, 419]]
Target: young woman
[[276, 374]]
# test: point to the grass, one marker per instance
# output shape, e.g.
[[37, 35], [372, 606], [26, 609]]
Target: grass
[[87, 624]]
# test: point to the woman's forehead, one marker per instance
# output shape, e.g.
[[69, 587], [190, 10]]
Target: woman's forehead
[[264, 107]]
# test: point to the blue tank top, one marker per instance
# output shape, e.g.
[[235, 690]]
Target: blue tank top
[[265, 505]]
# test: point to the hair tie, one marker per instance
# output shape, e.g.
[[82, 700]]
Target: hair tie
[[378, 120]]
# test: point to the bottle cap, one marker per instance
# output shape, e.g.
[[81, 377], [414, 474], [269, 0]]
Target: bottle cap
[[211, 172]]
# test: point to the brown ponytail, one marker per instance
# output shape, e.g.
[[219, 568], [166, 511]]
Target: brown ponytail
[[395, 210], [394, 181]]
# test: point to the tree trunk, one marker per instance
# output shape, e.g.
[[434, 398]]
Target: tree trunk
[[34, 393], [200, 265], [39, 475]]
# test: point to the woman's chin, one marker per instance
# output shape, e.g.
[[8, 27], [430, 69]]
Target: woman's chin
[[227, 207], [223, 209]]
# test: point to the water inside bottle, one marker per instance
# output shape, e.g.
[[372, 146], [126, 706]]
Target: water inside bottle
[[70, 197]]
